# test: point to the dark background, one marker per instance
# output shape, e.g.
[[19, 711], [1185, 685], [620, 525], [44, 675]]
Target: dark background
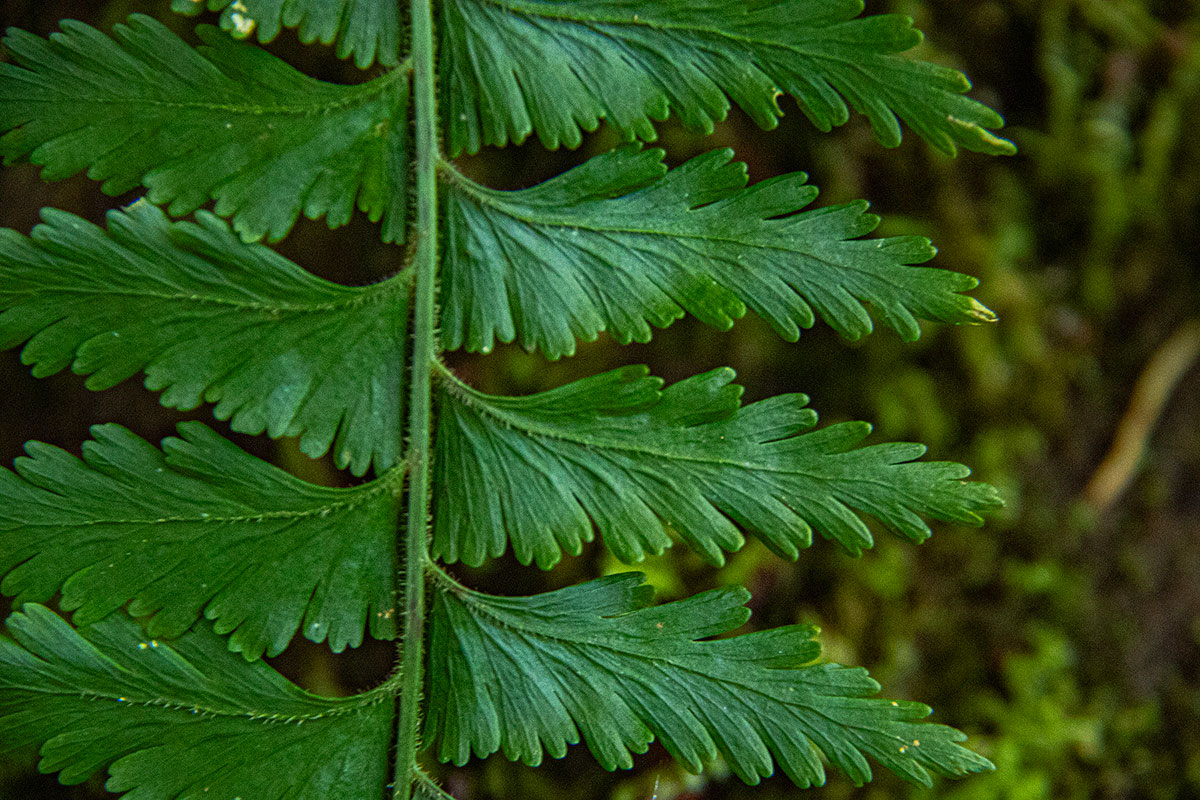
[[1063, 636]]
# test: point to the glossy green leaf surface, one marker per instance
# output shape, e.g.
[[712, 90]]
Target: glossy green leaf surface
[[369, 30], [620, 244], [527, 675], [209, 318], [183, 719], [558, 67], [226, 122], [199, 528], [618, 454]]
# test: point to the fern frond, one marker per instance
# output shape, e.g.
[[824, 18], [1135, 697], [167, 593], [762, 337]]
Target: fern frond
[[210, 319], [620, 244], [199, 527], [181, 567], [556, 67], [367, 29], [615, 453], [527, 674], [426, 789], [225, 122], [185, 719]]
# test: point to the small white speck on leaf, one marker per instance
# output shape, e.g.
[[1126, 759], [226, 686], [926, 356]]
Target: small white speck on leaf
[[243, 26]]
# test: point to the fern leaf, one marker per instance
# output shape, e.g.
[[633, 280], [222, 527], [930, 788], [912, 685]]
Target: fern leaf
[[367, 29], [614, 245], [185, 719], [227, 122], [614, 452], [554, 67], [527, 674], [426, 789], [210, 319], [199, 527]]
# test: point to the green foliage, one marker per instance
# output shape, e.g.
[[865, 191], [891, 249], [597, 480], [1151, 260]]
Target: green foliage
[[597, 648], [616, 451], [619, 242], [366, 29], [225, 122], [558, 66], [210, 319], [147, 546], [180, 719], [198, 526]]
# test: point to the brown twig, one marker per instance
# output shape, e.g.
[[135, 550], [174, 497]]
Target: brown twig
[[1153, 389]]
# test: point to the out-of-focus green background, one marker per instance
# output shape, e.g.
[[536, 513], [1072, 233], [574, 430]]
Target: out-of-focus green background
[[1063, 637]]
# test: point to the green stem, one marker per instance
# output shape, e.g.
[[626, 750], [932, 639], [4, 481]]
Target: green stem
[[416, 545]]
